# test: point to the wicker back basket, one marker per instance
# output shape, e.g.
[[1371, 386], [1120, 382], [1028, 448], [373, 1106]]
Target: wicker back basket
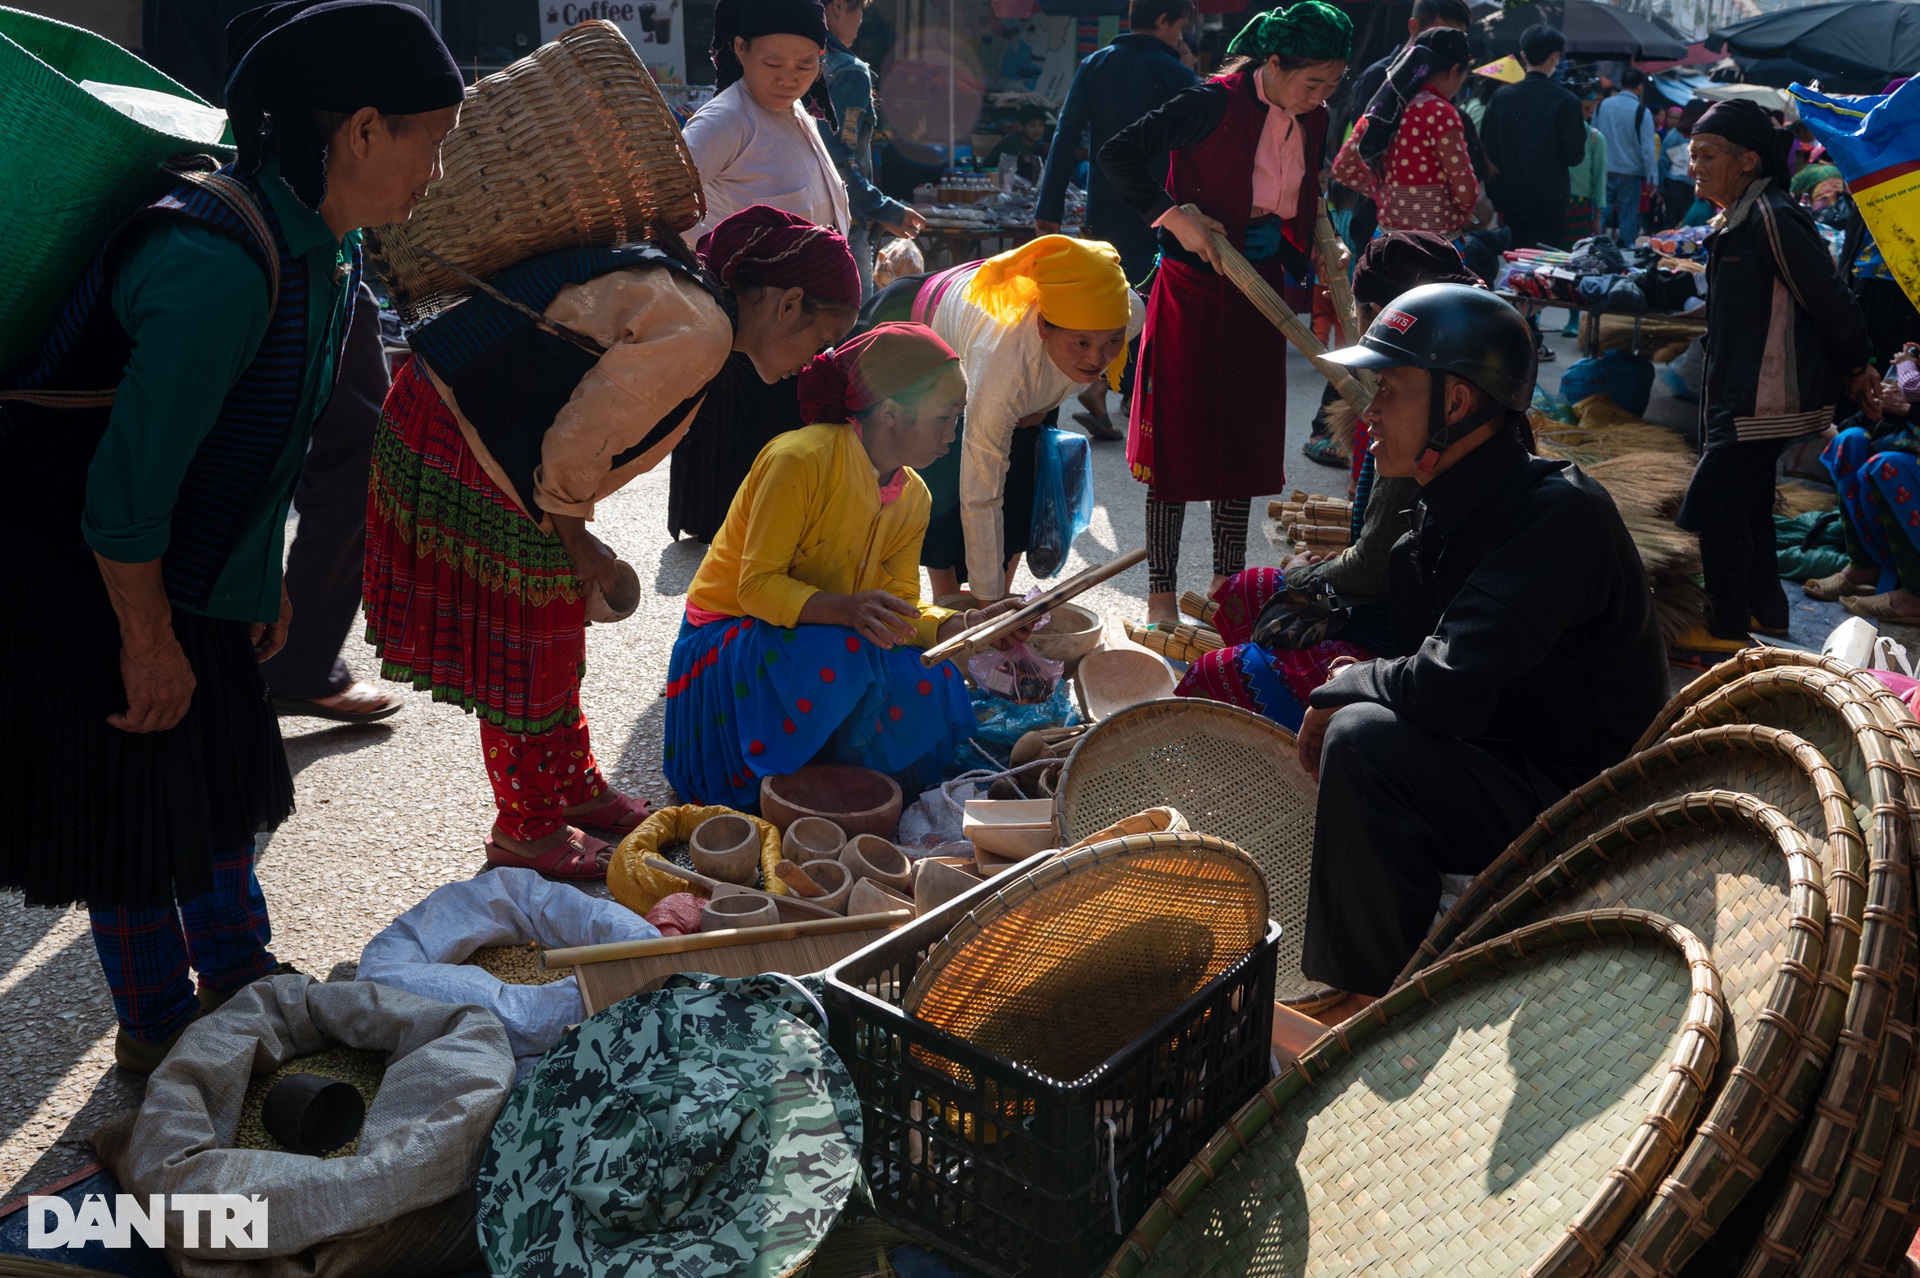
[[570, 147]]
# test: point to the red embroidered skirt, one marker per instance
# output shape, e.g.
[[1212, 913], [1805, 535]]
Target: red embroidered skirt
[[1209, 404], [466, 596]]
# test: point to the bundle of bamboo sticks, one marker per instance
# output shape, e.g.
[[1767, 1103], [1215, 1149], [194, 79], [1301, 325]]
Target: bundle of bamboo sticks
[[1313, 523]]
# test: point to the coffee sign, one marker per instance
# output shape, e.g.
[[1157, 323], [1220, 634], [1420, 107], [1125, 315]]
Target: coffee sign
[[653, 27]]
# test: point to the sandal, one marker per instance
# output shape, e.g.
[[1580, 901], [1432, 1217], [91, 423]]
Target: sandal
[[359, 702], [1098, 427], [615, 819], [1322, 449], [1879, 608], [1835, 586], [575, 859]]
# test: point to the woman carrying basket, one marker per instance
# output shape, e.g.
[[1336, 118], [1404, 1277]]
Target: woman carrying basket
[[1245, 147], [510, 422], [804, 625], [1032, 326]]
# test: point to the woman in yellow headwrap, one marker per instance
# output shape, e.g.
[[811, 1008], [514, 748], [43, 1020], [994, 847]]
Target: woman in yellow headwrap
[[1032, 326]]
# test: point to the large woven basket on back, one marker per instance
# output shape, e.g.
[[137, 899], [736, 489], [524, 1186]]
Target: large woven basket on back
[[1231, 773], [1505, 1112], [71, 167], [570, 147]]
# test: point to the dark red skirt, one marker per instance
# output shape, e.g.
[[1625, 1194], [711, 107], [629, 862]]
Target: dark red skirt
[[1209, 405], [466, 596]]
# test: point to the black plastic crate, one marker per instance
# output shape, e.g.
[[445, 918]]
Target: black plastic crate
[[1016, 1174]]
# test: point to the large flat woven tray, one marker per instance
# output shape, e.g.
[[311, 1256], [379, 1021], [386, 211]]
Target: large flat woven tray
[[1504, 1112], [1232, 773], [1070, 963], [1746, 881], [1849, 1165]]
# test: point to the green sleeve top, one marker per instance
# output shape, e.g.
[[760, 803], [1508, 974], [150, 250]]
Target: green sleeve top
[[195, 303]]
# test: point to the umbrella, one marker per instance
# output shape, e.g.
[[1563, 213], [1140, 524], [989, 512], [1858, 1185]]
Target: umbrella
[[1871, 41], [1592, 31], [1771, 99]]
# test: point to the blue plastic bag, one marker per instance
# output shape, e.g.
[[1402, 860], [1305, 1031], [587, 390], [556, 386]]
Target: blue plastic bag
[[1625, 379], [1062, 498]]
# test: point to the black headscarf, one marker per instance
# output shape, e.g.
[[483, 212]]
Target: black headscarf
[[1746, 124], [750, 19], [1433, 52], [1395, 261], [290, 60]]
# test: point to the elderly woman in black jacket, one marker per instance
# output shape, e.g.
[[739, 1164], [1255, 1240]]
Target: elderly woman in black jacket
[[1785, 341]]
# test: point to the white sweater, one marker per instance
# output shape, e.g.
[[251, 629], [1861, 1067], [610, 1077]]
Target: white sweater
[[1009, 376], [749, 155]]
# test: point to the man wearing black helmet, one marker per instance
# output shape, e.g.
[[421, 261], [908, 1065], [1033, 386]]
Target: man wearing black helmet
[[1536, 654]]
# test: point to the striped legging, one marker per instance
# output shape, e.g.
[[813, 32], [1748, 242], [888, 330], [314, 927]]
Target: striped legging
[[1165, 522]]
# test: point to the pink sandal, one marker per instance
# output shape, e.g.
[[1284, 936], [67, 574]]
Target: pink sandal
[[575, 859], [615, 819]]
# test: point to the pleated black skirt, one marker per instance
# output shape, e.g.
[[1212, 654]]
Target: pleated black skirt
[[740, 416], [101, 817]]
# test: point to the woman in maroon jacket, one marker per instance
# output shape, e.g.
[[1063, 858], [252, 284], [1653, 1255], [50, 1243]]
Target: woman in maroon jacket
[[1246, 148]]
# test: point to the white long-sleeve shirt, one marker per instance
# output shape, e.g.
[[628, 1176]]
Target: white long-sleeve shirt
[[1009, 376], [749, 155]]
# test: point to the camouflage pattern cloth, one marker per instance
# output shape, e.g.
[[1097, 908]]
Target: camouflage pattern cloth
[[704, 1129]]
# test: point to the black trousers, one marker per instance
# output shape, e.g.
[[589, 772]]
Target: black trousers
[[328, 555], [1398, 808], [1537, 227], [1730, 504]]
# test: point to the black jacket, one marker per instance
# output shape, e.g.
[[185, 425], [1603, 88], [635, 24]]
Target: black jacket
[[1527, 611], [1114, 87], [1532, 135], [1761, 383]]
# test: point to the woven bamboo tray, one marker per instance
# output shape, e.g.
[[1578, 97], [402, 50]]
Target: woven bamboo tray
[[1177, 643], [1504, 1112], [1739, 875], [1232, 773], [1849, 716], [570, 147], [1065, 966]]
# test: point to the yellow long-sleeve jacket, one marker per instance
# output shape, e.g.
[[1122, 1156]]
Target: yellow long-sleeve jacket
[[810, 518]]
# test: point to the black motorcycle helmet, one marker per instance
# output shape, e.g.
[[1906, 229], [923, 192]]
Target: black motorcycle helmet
[[1453, 328]]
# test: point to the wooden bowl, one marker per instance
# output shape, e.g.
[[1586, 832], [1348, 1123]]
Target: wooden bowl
[[868, 856], [619, 600], [1071, 633], [726, 848], [811, 839], [858, 800], [875, 898], [723, 912], [836, 879], [937, 881]]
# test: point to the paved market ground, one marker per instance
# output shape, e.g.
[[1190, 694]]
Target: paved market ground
[[389, 812]]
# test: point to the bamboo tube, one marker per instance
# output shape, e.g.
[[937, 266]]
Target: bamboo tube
[[1270, 304], [1198, 606], [1000, 627], [720, 940], [1346, 314], [1182, 643]]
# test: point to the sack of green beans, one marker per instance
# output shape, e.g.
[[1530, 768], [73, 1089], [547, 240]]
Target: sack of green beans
[[87, 134]]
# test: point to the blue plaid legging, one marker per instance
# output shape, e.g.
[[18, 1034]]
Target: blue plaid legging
[[146, 954]]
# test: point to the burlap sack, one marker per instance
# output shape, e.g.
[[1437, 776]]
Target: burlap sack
[[401, 1204]]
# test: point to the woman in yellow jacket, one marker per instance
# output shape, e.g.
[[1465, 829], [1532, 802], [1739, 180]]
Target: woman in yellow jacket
[[804, 625]]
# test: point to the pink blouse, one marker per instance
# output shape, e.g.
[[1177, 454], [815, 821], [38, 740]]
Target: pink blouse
[[1280, 163]]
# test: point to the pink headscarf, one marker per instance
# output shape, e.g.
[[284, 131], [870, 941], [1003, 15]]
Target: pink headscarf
[[765, 245], [865, 370]]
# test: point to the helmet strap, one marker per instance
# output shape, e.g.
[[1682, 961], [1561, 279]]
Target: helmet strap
[[1441, 434]]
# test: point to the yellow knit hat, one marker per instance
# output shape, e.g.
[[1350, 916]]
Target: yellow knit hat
[[1078, 284]]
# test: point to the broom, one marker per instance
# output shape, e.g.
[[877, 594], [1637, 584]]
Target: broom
[[1354, 390]]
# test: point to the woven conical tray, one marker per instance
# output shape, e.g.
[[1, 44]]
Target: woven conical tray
[[1741, 877], [1232, 773], [570, 147], [1505, 1112], [1067, 965], [1852, 1165]]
